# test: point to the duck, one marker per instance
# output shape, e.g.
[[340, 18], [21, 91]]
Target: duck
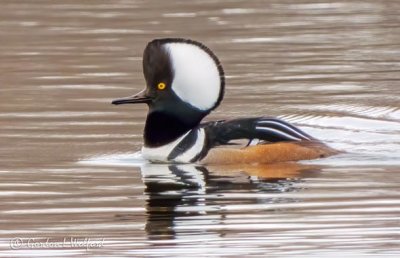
[[185, 82]]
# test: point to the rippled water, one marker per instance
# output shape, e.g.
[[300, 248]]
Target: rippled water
[[68, 167]]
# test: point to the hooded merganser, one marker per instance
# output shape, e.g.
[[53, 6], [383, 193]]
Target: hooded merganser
[[185, 82]]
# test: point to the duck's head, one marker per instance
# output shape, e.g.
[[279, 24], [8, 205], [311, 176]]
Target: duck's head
[[184, 78]]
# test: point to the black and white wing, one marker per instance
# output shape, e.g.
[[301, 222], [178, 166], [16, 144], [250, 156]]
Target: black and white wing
[[261, 128]]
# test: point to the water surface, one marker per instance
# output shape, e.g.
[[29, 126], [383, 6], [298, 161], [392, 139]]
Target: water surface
[[68, 167]]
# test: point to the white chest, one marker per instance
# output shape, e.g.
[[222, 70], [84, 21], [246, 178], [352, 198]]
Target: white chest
[[161, 154]]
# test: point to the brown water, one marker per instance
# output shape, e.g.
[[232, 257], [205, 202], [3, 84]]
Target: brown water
[[68, 167]]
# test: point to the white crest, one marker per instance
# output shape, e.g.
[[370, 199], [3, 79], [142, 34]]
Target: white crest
[[196, 76]]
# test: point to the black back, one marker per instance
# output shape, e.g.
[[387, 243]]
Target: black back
[[262, 128]]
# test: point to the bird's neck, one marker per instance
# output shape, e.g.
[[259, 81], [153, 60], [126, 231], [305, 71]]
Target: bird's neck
[[162, 128]]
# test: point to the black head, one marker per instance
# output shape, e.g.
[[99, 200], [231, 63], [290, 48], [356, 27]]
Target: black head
[[185, 82]]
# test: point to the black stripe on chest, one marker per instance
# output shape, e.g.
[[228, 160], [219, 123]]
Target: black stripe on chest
[[184, 145]]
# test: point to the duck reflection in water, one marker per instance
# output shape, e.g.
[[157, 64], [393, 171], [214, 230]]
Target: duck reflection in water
[[189, 195]]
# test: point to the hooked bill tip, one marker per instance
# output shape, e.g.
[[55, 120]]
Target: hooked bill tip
[[115, 102]]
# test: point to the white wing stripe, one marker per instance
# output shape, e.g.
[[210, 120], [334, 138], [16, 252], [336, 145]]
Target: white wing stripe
[[277, 132], [285, 126]]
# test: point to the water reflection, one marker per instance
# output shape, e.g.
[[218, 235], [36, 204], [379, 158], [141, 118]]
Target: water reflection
[[180, 195]]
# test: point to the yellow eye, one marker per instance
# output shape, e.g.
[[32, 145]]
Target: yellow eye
[[161, 86]]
